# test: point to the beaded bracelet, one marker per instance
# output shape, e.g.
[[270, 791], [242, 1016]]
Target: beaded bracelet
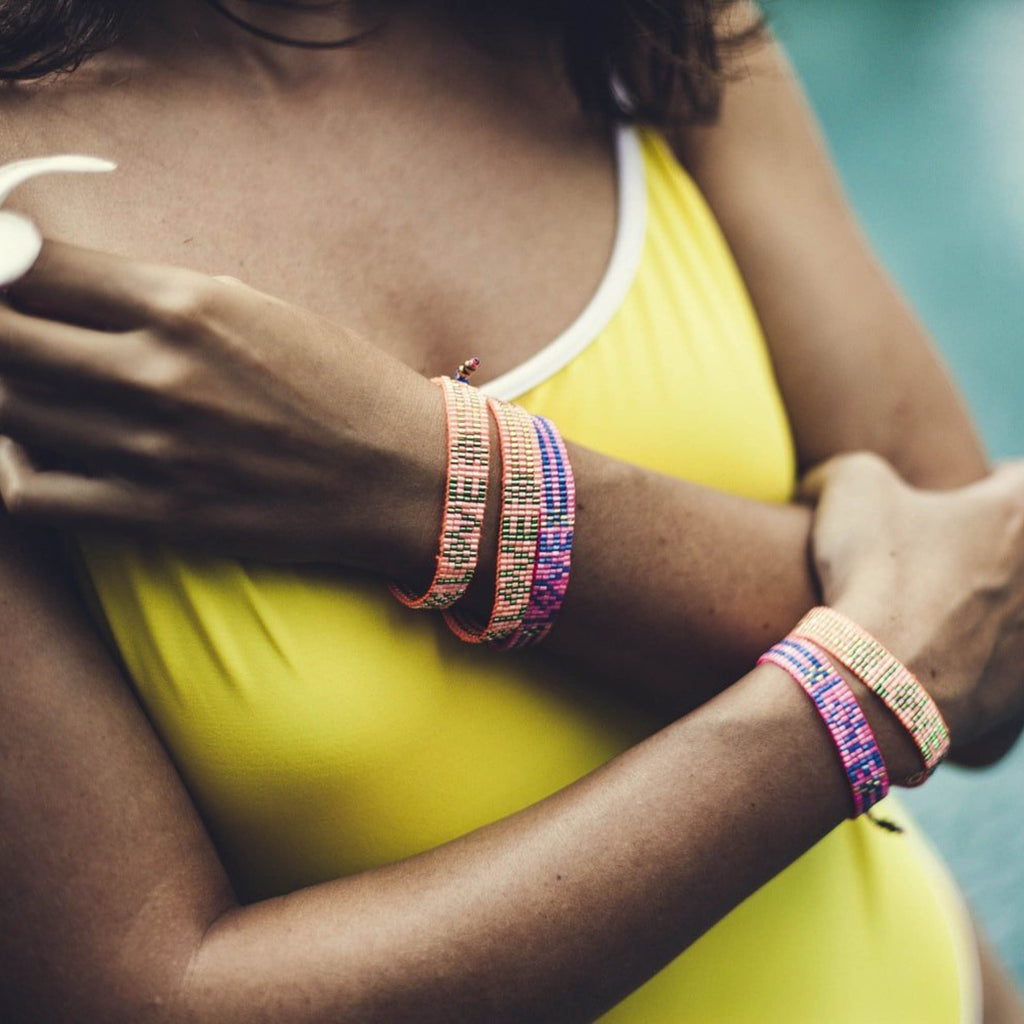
[[887, 677], [521, 485], [842, 715], [464, 499], [554, 545]]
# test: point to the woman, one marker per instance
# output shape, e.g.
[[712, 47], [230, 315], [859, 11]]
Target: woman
[[324, 732]]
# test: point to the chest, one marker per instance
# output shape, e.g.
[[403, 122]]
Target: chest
[[439, 227]]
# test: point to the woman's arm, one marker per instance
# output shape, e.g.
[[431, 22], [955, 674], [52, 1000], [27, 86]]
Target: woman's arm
[[223, 416], [856, 368], [667, 574], [117, 909], [857, 372]]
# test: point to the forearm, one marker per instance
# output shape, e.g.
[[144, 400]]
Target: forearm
[[483, 928], [554, 913], [675, 588], [557, 912]]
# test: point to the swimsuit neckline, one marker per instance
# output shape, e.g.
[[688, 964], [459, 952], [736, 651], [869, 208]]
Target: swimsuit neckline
[[620, 272]]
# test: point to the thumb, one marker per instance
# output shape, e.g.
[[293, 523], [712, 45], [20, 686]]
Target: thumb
[[1006, 479], [864, 467]]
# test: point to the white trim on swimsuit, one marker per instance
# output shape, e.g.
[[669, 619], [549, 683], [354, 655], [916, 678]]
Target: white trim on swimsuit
[[627, 250]]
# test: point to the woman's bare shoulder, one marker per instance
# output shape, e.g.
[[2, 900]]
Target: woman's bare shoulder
[[831, 314]]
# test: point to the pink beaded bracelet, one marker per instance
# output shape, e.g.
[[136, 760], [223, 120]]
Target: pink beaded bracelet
[[521, 486], [464, 498], [887, 677], [843, 717]]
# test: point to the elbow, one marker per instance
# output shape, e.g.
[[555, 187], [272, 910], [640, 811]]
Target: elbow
[[147, 981]]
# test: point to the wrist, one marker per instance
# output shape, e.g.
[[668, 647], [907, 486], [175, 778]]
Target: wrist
[[899, 752], [945, 676], [887, 685], [407, 516]]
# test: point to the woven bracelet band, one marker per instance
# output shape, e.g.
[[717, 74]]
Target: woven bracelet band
[[843, 717], [887, 677], [465, 498], [521, 486], [554, 545]]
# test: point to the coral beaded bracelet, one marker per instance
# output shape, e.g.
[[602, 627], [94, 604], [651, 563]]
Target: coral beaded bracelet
[[554, 545], [464, 499], [888, 678]]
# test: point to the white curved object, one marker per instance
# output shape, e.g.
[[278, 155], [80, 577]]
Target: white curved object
[[20, 240]]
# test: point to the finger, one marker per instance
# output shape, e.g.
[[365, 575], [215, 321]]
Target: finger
[[66, 498], [46, 350], [98, 439], [98, 289], [866, 466], [20, 244], [814, 481], [15, 462], [1008, 473], [1004, 485]]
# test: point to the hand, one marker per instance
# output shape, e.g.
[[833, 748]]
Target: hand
[[937, 576], [202, 410]]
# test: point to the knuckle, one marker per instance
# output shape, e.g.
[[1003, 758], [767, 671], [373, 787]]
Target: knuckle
[[153, 446], [1011, 514], [183, 302], [1015, 496], [1005, 489], [864, 462], [159, 372], [17, 497], [861, 469]]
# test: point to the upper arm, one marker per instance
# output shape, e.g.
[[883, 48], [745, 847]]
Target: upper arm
[[109, 877], [855, 367]]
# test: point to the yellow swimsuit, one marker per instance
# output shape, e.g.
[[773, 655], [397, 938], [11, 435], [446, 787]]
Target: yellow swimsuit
[[323, 729]]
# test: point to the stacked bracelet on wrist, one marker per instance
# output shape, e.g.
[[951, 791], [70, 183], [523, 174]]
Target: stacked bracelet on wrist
[[842, 715], [536, 523], [805, 655], [889, 679], [522, 483]]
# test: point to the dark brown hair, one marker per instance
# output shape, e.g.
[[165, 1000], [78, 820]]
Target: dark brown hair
[[642, 60]]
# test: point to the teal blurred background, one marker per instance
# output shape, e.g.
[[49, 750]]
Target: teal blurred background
[[922, 102]]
